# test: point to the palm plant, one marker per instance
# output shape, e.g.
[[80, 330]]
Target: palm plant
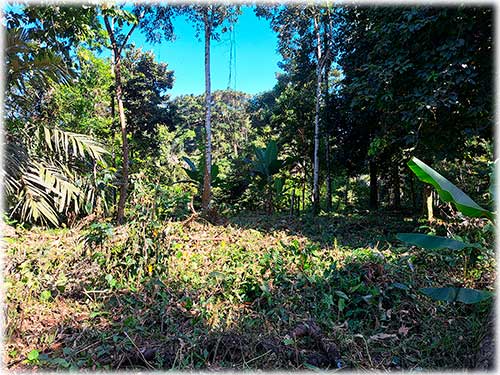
[[266, 165], [43, 166]]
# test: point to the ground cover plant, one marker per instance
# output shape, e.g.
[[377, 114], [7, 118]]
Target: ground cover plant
[[258, 292], [297, 218]]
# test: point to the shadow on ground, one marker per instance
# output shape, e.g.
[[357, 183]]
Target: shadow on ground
[[230, 298]]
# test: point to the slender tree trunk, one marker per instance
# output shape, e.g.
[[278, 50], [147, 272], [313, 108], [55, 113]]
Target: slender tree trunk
[[346, 196], [292, 202], [327, 139], [121, 112], [316, 121], [207, 183], [328, 174], [113, 107], [120, 214], [428, 203], [373, 185], [304, 194], [397, 187], [113, 154]]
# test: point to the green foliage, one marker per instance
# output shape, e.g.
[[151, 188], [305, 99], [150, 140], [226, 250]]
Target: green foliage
[[196, 173], [45, 170], [464, 295], [195, 294], [33, 356], [433, 78], [266, 166], [97, 233], [219, 283], [42, 187], [216, 16], [157, 201], [84, 106], [233, 134], [447, 191], [431, 242], [145, 86]]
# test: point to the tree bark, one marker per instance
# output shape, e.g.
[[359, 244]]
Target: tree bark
[[327, 138], [207, 178], [373, 185], [120, 214], [397, 187], [304, 194], [316, 121], [428, 203], [328, 175], [346, 196]]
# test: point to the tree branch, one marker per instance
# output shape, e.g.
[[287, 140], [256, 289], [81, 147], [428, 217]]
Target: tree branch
[[130, 32], [111, 34]]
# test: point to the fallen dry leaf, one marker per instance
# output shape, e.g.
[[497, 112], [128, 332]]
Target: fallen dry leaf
[[403, 330]]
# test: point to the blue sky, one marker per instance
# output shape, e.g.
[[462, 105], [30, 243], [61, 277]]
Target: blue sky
[[253, 70], [254, 64]]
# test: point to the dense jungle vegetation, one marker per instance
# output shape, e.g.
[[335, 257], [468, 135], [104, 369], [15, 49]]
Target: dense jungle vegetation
[[343, 219]]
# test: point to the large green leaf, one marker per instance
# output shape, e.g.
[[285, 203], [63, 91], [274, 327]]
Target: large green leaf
[[260, 164], [193, 175], [275, 166], [450, 294], [190, 163], [271, 152], [431, 242], [447, 191]]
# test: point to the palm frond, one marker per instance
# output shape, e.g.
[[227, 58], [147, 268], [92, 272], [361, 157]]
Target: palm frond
[[15, 157], [69, 144], [27, 61], [43, 188], [35, 203], [67, 196]]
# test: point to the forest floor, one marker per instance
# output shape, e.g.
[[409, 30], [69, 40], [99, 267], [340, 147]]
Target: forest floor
[[258, 292]]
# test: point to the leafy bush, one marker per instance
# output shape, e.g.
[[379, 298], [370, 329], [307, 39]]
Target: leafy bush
[[152, 200], [448, 192]]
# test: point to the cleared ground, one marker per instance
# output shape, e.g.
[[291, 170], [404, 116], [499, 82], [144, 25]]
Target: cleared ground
[[254, 292]]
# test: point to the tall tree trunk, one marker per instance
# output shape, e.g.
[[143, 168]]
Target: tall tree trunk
[[316, 121], [346, 196], [397, 187], [120, 214], [327, 139], [113, 154], [328, 175], [373, 185], [304, 194], [207, 178], [428, 203]]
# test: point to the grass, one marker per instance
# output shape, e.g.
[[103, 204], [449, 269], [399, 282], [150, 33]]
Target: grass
[[258, 292]]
